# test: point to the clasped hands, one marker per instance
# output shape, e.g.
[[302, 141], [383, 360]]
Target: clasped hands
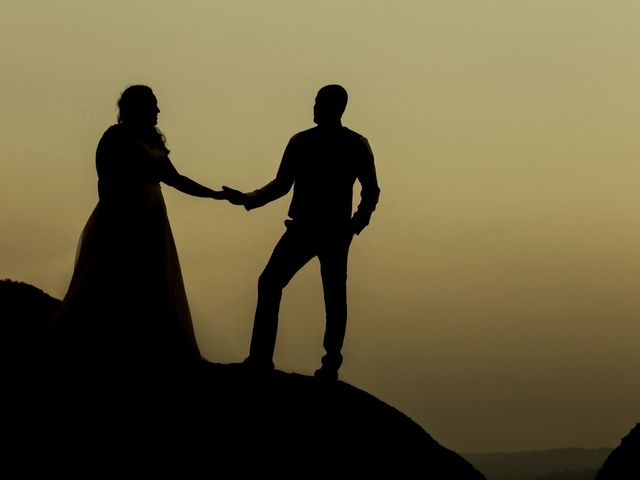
[[233, 196], [358, 222]]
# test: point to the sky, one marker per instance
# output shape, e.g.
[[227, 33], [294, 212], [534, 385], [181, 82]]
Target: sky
[[494, 298]]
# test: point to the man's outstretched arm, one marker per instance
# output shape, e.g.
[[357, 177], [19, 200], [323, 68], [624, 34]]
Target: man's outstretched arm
[[273, 190], [370, 193]]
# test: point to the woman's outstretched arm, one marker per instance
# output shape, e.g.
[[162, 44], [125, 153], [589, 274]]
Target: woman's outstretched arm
[[186, 185]]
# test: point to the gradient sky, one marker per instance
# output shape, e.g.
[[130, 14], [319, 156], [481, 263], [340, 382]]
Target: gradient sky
[[494, 298]]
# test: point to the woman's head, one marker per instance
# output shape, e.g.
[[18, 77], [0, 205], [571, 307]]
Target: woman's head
[[138, 106]]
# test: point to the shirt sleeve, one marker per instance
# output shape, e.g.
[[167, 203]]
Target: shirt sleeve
[[370, 193], [279, 186], [168, 172]]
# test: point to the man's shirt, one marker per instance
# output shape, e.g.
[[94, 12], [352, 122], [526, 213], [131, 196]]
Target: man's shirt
[[322, 164]]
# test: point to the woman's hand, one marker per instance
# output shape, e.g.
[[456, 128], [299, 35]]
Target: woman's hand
[[217, 195]]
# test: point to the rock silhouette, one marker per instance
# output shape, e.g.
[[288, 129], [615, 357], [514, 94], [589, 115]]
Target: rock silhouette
[[24, 313], [211, 419], [624, 461]]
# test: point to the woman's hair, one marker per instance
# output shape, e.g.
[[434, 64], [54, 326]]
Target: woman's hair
[[134, 101]]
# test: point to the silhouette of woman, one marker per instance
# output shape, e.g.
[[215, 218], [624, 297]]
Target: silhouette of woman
[[126, 303]]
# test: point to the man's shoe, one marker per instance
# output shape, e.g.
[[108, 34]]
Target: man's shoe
[[326, 374]]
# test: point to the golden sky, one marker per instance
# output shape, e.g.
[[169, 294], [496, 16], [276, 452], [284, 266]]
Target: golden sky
[[494, 298]]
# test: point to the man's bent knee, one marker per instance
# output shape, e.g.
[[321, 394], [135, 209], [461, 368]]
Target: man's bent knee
[[270, 283]]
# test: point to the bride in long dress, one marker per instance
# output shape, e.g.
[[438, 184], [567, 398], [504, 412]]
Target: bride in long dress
[[126, 301]]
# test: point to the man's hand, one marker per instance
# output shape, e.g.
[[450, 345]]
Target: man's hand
[[359, 221], [234, 196]]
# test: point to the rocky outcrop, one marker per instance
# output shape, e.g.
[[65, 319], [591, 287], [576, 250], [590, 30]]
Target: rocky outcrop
[[207, 419], [624, 461]]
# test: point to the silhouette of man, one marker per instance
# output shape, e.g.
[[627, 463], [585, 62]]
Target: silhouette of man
[[321, 164]]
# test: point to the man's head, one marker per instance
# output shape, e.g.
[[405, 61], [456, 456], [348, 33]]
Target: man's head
[[331, 102]]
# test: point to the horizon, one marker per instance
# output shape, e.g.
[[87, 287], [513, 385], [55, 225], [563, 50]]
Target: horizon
[[493, 298]]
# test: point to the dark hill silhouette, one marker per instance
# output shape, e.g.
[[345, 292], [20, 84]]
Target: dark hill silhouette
[[24, 313], [563, 463], [624, 461], [211, 420], [24, 308], [582, 474]]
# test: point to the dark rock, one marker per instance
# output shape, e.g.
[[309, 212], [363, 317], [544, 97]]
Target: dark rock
[[208, 419], [24, 315], [624, 461]]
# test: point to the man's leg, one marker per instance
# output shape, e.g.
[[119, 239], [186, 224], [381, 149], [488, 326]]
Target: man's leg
[[290, 254], [333, 267]]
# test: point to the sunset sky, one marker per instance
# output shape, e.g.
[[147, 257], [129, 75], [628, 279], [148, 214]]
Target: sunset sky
[[495, 296]]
